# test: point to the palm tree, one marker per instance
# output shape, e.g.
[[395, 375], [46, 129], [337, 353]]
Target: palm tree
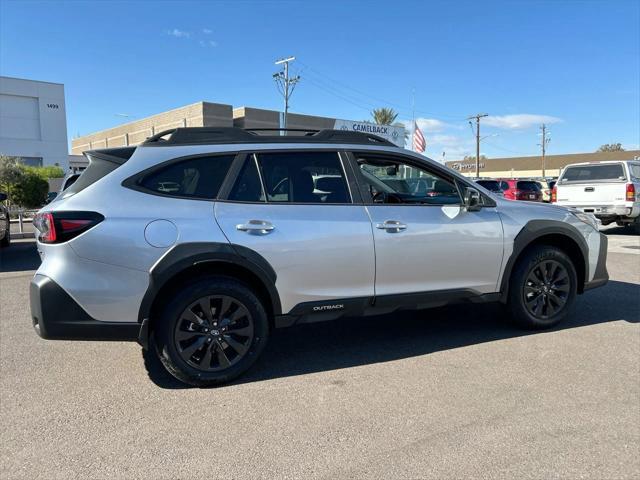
[[384, 116]]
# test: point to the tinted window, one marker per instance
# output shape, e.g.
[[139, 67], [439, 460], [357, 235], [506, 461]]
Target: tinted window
[[248, 187], [530, 186], [198, 177], [491, 185], [634, 168], [590, 173], [303, 177]]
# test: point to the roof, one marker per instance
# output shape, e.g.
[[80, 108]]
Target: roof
[[551, 161], [233, 135]]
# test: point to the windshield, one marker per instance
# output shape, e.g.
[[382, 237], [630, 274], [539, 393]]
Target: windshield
[[594, 173]]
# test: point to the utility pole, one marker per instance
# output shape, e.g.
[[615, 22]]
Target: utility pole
[[285, 84], [543, 144], [477, 118]]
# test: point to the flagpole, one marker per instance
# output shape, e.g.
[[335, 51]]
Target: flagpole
[[413, 115]]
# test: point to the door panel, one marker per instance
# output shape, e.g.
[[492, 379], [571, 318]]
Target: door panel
[[319, 252], [440, 248]]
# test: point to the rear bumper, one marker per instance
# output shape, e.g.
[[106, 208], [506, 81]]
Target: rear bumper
[[601, 276], [608, 211], [57, 316]]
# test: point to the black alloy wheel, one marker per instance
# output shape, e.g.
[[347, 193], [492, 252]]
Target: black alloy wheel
[[214, 332], [546, 289]]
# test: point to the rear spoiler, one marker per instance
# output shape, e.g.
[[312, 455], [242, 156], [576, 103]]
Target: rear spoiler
[[114, 155]]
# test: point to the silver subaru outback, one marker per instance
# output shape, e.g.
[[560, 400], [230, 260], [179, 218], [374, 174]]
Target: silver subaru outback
[[201, 241]]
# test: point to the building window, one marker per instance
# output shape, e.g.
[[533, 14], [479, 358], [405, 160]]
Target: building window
[[31, 161]]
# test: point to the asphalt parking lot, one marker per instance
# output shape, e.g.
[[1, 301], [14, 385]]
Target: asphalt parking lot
[[448, 393]]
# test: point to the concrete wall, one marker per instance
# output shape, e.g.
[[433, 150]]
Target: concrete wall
[[248, 117], [33, 120], [200, 114]]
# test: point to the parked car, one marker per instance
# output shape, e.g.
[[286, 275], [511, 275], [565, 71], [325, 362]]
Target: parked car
[[609, 190], [5, 225], [272, 231], [492, 185], [514, 189]]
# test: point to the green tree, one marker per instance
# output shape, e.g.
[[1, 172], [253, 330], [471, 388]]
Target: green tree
[[611, 147], [31, 191], [47, 172], [384, 116], [11, 174], [472, 158]]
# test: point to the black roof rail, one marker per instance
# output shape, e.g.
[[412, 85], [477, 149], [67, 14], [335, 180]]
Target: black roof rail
[[219, 135]]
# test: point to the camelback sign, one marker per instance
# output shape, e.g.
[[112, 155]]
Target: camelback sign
[[390, 132]]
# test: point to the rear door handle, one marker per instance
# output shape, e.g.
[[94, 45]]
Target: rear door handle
[[256, 227], [391, 226]]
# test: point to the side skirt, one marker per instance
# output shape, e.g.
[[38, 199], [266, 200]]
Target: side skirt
[[312, 312]]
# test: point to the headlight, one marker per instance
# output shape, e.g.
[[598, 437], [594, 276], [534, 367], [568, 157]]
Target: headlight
[[587, 218]]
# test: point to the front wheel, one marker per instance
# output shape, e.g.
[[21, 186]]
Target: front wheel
[[542, 288], [211, 332]]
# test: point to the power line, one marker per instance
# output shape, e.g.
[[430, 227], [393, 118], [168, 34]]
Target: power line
[[477, 118], [285, 84], [398, 107]]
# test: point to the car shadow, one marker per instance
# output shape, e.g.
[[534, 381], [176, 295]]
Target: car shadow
[[19, 256], [346, 343], [626, 231]]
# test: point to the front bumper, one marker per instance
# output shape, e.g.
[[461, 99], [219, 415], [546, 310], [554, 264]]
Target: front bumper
[[57, 316], [601, 276]]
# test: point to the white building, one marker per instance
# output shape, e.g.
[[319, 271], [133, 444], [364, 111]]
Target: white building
[[33, 122]]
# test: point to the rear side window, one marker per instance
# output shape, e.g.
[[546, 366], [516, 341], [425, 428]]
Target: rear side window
[[197, 177], [594, 173], [634, 168], [292, 177], [530, 186]]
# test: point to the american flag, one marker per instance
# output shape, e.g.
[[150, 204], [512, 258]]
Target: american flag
[[419, 143]]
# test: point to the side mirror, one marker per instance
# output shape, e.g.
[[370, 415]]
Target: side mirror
[[472, 201], [3, 197]]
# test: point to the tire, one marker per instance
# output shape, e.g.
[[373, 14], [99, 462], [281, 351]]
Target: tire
[[533, 302], [205, 350]]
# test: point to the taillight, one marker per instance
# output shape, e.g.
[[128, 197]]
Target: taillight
[[58, 227], [554, 194], [45, 226], [631, 192]]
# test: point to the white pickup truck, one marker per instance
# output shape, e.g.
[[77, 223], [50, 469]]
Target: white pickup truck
[[609, 190]]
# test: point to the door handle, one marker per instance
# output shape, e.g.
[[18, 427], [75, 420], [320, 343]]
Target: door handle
[[256, 226], [391, 226]]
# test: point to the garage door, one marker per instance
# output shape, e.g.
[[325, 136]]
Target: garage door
[[19, 117]]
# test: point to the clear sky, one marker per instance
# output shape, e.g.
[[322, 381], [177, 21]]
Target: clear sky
[[573, 64]]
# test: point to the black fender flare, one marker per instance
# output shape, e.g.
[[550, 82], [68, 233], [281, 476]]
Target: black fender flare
[[532, 231], [186, 255]]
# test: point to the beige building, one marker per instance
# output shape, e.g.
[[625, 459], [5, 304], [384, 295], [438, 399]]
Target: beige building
[[201, 114], [522, 167]]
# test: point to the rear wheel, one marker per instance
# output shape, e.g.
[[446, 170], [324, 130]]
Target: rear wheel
[[211, 332], [542, 288]]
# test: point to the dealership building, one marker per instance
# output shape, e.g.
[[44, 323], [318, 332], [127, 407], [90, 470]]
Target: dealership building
[[525, 167], [33, 122], [207, 114]]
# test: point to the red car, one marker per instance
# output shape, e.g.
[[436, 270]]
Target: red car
[[514, 189]]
